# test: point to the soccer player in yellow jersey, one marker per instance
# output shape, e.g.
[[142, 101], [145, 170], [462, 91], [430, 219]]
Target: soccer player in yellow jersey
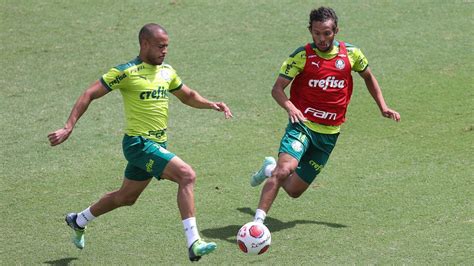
[[320, 74], [145, 84]]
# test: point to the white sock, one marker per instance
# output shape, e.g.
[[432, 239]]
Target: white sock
[[269, 169], [84, 217], [191, 231], [259, 216]]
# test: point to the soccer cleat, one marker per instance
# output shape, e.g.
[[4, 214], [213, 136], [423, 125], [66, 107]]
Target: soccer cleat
[[78, 236], [259, 176], [199, 248]]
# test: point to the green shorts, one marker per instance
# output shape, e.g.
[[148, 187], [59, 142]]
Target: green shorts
[[310, 148], [145, 157]]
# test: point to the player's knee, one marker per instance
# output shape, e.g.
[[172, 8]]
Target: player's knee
[[186, 175]]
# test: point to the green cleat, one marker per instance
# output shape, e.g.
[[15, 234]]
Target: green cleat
[[199, 248], [78, 236], [259, 176]]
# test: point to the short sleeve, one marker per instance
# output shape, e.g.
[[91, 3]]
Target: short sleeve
[[176, 82], [112, 80], [360, 62], [294, 65]]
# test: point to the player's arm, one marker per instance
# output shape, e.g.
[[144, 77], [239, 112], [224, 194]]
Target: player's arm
[[290, 68], [192, 98], [95, 91], [278, 93], [376, 92]]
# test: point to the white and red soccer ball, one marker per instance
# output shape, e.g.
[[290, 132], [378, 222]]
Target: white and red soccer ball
[[254, 238]]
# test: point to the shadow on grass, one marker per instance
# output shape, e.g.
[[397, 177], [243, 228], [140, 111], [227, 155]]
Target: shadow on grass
[[229, 232], [60, 262]]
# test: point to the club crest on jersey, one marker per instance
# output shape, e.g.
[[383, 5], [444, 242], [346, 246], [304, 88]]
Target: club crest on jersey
[[165, 74], [340, 64]]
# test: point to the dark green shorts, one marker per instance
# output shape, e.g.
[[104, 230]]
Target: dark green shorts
[[310, 148], [145, 157]]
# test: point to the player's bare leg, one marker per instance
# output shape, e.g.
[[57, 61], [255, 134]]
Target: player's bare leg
[[124, 196], [294, 185], [286, 165], [181, 173]]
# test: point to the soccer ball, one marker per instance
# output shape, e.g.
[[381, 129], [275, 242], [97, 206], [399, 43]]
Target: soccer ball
[[254, 238]]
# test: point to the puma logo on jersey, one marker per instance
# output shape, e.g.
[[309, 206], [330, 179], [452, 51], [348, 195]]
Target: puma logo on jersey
[[315, 63]]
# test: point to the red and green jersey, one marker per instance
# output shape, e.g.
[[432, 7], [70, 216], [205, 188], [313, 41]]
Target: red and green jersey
[[295, 65], [323, 90]]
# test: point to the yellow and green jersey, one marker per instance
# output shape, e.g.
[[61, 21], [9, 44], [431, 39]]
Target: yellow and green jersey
[[294, 65], [145, 89]]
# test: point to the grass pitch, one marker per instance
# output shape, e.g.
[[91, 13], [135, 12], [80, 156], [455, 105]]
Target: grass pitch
[[391, 193]]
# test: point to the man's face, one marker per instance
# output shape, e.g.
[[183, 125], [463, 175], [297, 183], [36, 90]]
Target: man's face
[[323, 34], [156, 48]]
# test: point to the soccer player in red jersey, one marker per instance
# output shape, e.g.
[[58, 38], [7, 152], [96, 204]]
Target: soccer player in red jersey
[[321, 88]]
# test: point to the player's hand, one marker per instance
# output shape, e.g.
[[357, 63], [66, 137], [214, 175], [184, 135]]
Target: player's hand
[[59, 136], [296, 115], [392, 114], [222, 107]]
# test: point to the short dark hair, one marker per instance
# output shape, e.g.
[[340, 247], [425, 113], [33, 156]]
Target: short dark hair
[[322, 14], [147, 31]]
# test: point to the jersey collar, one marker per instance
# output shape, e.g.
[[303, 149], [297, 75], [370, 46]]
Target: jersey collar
[[327, 55]]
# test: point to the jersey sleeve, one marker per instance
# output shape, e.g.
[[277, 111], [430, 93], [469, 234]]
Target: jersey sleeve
[[360, 62], [294, 64], [113, 79], [176, 82]]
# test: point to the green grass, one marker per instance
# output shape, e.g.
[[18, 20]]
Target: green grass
[[391, 193]]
